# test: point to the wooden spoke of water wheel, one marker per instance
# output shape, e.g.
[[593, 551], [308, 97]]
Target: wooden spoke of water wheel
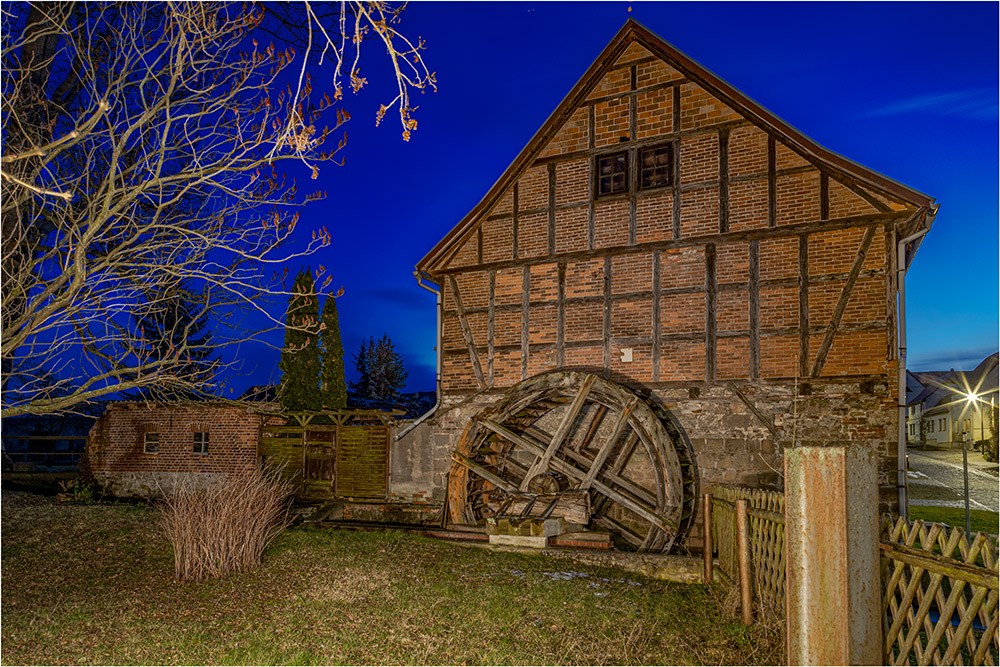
[[576, 431]]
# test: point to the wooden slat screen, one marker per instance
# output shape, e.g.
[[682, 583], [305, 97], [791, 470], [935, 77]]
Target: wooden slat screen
[[362, 462]]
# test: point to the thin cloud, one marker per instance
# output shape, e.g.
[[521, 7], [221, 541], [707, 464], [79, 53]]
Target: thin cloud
[[974, 104], [963, 360]]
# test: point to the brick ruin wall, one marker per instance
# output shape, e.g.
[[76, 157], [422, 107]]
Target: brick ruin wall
[[753, 266], [117, 460]]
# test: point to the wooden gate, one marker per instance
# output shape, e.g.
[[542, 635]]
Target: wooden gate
[[343, 453]]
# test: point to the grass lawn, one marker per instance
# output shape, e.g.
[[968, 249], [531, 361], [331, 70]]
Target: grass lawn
[[981, 521], [92, 584]]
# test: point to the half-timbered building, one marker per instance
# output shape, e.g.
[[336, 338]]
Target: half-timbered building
[[668, 235]]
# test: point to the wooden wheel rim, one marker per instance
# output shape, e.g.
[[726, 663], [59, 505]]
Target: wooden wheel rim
[[664, 498]]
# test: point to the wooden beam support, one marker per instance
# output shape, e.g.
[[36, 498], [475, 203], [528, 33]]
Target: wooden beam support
[[824, 196], [845, 295], [769, 423], [595, 423], [784, 231], [606, 326], [552, 208], [525, 315], [804, 305], [491, 328], [542, 464], [710, 299], [561, 317], [723, 180], [754, 309], [514, 214], [490, 477], [657, 343], [467, 332], [609, 443], [772, 184]]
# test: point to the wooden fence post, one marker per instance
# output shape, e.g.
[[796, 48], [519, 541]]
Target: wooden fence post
[[832, 556], [743, 552], [707, 512]]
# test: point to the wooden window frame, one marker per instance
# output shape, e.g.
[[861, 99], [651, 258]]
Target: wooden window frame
[[199, 445], [154, 441], [624, 154], [669, 148]]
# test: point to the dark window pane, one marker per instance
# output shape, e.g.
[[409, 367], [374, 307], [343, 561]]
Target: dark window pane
[[612, 174], [655, 167]]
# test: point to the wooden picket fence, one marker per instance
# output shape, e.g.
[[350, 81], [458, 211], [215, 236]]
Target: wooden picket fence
[[766, 533], [939, 595]]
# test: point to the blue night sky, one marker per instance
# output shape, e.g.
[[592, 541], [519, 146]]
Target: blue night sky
[[908, 89]]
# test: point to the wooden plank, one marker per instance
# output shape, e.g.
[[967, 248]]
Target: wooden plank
[[723, 180], [561, 316], [493, 479], [845, 295], [772, 184], [541, 465], [804, 305], [491, 328], [609, 443], [710, 301], [657, 343], [525, 315], [606, 324], [467, 332], [754, 290], [949, 567], [675, 172], [552, 208]]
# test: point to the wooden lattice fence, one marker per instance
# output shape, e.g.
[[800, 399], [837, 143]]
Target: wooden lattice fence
[[939, 595], [939, 589], [766, 524]]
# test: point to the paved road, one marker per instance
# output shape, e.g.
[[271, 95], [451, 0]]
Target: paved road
[[935, 478]]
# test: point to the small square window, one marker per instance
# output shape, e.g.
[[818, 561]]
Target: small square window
[[612, 174], [654, 167], [151, 442], [200, 442]]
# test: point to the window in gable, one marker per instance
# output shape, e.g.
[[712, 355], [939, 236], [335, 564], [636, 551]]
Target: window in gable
[[612, 174], [654, 166]]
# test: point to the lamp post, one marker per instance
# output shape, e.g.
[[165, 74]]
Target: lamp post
[[971, 398], [965, 474]]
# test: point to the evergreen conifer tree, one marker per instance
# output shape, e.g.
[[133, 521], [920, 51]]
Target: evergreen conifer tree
[[388, 375], [362, 386], [300, 358], [332, 386]]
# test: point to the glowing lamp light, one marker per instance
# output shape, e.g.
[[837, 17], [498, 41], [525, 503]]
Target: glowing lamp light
[[970, 397]]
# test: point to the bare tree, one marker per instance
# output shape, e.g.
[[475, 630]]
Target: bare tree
[[141, 151]]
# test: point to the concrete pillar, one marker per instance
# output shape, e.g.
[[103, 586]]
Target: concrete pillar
[[831, 556]]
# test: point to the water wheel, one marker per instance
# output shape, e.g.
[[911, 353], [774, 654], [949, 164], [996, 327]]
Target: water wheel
[[565, 431]]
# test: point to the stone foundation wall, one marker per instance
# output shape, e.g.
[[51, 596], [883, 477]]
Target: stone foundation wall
[[731, 445]]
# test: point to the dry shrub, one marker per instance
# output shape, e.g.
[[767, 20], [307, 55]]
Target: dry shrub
[[226, 527]]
